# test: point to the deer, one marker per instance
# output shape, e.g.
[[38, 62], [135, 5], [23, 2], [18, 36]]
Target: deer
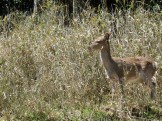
[[123, 70]]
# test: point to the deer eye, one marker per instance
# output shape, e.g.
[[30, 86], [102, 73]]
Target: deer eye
[[98, 41]]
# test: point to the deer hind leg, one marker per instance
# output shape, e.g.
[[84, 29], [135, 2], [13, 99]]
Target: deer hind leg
[[149, 81], [144, 77], [153, 87]]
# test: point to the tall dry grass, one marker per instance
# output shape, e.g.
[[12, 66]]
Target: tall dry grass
[[47, 73]]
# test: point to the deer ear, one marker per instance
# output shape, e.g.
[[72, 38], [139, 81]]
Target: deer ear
[[107, 35]]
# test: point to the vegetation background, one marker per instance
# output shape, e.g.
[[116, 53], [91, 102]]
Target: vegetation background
[[47, 73]]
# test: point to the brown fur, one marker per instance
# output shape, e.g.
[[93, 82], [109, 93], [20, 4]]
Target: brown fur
[[130, 69]]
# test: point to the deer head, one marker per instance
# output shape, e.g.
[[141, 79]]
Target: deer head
[[99, 42]]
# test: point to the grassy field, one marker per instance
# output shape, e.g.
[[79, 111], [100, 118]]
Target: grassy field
[[47, 73]]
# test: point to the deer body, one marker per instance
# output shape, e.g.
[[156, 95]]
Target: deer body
[[130, 69], [138, 68]]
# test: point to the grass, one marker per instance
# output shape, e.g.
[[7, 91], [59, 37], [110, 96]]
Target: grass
[[47, 73]]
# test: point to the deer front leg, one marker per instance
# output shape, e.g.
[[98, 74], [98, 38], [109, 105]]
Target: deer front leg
[[113, 89], [121, 82]]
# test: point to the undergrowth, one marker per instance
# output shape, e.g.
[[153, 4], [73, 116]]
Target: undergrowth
[[47, 73]]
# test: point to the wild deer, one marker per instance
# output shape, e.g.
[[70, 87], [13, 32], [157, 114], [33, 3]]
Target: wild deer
[[129, 69]]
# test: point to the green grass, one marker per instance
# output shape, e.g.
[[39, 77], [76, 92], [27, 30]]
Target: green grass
[[47, 73]]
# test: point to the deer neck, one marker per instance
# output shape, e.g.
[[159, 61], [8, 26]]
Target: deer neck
[[106, 56], [106, 59]]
